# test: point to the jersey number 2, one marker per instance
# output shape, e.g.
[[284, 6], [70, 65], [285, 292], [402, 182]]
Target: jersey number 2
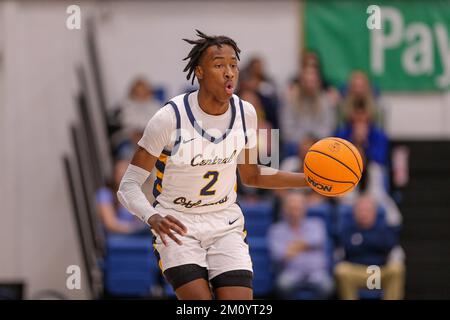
[[206, 189]]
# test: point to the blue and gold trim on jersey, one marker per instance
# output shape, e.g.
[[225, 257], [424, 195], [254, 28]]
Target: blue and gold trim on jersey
[[160, 166], [199, 129], [178, 124]]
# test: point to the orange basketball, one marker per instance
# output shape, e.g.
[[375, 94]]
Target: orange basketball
[[333, 166]]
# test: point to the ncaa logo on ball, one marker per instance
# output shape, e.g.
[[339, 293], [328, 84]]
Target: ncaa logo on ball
[[319, 185]]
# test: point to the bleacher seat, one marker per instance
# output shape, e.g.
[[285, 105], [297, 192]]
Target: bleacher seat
[[258, 217], [131, 268], [290, 149], [160, 94], [262, 269], [168, 290]]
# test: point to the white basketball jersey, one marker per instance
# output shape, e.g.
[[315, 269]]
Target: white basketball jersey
[[199, 174]]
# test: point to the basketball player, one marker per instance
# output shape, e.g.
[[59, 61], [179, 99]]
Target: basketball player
[[198, 226]]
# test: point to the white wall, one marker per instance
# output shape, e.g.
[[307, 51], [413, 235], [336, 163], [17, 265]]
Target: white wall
[[414, 116], [38, 239], [138, 37]]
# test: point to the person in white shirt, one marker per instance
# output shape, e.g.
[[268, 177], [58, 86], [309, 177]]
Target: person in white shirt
[[197, 142]]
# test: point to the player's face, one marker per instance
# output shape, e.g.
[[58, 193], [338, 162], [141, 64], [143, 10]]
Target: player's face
[[218, 72]]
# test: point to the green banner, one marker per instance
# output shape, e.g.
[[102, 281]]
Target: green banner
[[402, 45]]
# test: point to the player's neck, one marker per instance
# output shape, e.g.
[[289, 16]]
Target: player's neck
[[210, 105]]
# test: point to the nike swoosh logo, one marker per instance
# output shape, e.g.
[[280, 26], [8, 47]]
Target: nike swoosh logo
[[186, 141], [231, 222]]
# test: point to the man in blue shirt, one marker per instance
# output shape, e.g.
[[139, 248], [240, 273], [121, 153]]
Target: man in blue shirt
[[297, 246], [367, 241]]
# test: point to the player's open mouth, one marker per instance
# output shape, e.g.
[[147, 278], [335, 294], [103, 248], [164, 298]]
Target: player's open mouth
[[229, 88]]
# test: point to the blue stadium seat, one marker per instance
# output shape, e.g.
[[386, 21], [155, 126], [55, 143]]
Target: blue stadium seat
[[257, 244], [258, 217], [290, 149], [262, 268], [160, 94], [257, 209], [168, 290], [131, 268]]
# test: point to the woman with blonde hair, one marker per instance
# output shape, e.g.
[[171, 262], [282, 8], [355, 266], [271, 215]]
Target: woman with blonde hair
[[308, 109], [360, 92]]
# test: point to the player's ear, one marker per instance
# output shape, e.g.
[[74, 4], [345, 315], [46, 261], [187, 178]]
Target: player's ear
[[199, 72]]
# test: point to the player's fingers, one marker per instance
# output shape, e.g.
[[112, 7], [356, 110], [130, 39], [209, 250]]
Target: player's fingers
[[177, 229], [168, 226], [165, 226], [174, 238], [165, 229], [177, 222], [163, 238]]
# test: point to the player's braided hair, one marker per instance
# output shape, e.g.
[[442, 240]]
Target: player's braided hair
[[200, 46]]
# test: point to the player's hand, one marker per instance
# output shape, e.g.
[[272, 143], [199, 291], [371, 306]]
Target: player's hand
[[164, 225]]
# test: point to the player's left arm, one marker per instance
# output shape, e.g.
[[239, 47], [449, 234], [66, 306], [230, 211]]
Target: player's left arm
[[254, 175]]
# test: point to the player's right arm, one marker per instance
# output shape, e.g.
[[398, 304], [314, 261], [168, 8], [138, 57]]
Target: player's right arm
[[130, 193]]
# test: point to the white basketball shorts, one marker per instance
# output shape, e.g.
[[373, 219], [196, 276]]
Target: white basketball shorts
[[214, 240]]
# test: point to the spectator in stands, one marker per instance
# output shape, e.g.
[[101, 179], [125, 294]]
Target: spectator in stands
[[134, 113], [297, 247], [307, 110], [254, 77], [116, 218], [373, 183], [367, 241], [264, 126], [363, 133], [360, 92], [294, 163], [310, 58]]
